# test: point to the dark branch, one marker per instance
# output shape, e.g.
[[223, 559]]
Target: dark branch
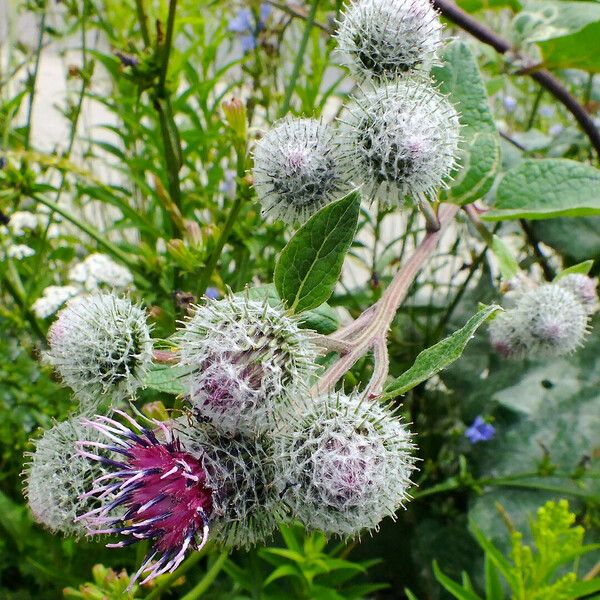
[[484, 34]]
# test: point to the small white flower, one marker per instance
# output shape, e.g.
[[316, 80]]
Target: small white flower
[[58, 475], [22, 221], [298, 169], [401, 140], [246, 358], [53, 297], [385, 39], [101, 345], [98, 270], [344, 464], [19, 251]]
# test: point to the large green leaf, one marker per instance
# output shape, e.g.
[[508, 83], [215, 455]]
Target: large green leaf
[[560, 235], [309, 266], [459, 77], [546, 188], [439, 356], [566, 32], [167, 379]]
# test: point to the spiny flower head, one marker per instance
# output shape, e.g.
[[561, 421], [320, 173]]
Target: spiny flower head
[[298, 169], [346, 465], [247, 358], [545, 322], [583, 287], [57, 476], [155, 490], [386, 39], [401, 140], [100, 344], [246, 507]]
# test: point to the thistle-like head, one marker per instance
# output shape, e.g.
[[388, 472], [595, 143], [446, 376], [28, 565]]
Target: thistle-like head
[[246, 359], [56, 476], [346, 464], [386, 39], [154, 490], [545, 322], [298, 169], [100, 345], [401, 140]]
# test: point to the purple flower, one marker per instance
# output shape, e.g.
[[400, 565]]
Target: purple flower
[[155, 490], [480, 431], [245, 24]]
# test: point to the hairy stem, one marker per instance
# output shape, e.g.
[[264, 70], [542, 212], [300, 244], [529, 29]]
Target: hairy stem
[[208, 579], [371, 328]]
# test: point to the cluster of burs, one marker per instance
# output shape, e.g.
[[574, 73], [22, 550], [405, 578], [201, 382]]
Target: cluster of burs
[[396, 139], [248, 449]]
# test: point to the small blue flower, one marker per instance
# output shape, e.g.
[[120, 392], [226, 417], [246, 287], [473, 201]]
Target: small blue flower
[[480, 431], [555, 129], [244, 24], [509, 103], [212, 293]]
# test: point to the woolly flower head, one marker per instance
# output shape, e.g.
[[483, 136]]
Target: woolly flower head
[[401, 140], [345, 466], [100, 344], [298, 169], [545, 322], [583, 287], [57, 476], [240, 471], [245, 358], [154, 490], [385, 39]]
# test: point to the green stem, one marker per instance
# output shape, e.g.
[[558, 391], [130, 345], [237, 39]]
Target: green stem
[[36, 68], [162, 79], [534, 109], [143, 19], [187, 564], [93, 233], [208, 579], [310, 20], [19, 299], [231, 219]]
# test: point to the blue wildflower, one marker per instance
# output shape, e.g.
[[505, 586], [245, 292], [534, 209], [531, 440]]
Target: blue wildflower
[[509, 103], [244, 23], [212, 293], [480, 431]]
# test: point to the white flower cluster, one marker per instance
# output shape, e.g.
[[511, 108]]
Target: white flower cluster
[[547, 321], [57, 477], [398, 138], [99, 270], [386, 39], [246, 358], [52, 298], [21, 222], [19, 251], [101, 347]]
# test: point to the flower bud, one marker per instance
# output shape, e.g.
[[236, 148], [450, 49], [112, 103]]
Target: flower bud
[[583, 287], [298, 169], [386, 39], [101, 345], [345, 465], [247, 357], [401, 140], [57, 476], [235, 115]]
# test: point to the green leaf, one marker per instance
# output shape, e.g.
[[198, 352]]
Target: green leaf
[[583, 588], [439, 356], [409, 594], [282, 571], [508, 264], [167, 379], [565, 32], [493, 585], [309, 266], [494, 555], [547, 188], [459, 77], [582, 268], [451, 586]]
